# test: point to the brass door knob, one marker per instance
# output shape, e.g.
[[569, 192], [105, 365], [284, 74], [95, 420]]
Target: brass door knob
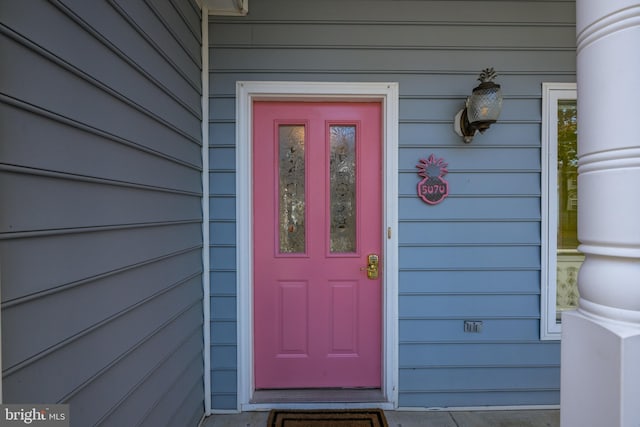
[[373, 260]]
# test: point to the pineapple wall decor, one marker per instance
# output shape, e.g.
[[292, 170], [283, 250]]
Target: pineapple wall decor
[[433, 188]]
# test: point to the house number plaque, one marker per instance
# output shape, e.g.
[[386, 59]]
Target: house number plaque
[[433, 188]]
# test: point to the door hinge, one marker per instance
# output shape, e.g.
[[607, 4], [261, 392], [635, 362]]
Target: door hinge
[[388, 232]]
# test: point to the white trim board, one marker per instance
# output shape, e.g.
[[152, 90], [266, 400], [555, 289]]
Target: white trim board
[[206, 255], [246, 93]]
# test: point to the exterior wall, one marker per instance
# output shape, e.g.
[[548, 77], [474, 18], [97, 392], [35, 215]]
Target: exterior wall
[[100, 220], [476, 256]]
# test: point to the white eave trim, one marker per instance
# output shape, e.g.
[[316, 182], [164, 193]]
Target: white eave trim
[[225, 7]]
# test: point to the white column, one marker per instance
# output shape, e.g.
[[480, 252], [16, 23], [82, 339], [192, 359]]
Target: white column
[[600, 380]]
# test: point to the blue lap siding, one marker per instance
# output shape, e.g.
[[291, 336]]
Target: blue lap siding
[[476, 255], [101, 198], [101, 218]]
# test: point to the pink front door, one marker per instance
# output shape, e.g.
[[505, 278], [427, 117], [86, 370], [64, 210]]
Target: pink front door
[[316, 216]]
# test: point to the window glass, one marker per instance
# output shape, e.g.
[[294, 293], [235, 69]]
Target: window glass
[[568, 258], [342, 175], [292, 189], [561, 259]]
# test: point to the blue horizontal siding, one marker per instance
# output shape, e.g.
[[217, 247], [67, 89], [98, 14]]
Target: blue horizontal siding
[[183, 371], [479, 398], [182, 54], [476, 256], [461, 379], [56, 202], [101, 214], [463, 12], [102, 298], [481, 183], [222, 207], [225, 282], [460, 282], [426, 84], [401, 35], [525, 134], [223, 231], [477, 158], [439, 109], [478, 305], [98, 349], [511, 351], [222, 158], [225, 355], [223, 307], [223, 257], [223, 182], [224, 401], [437, 327], [223, 330], [138, 44], [469, 257], [89, 55], [97, 153], [51, 83], [301, 59], [64, 259], [471, 208], [469, 232], [168, 351], [224, 385], [176, 405]]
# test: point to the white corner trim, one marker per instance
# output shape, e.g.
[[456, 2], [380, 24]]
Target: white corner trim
[[246, 93], [206, 261]]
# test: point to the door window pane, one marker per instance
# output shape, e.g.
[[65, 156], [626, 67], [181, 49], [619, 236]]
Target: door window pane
[[291, 188], [342, 175]]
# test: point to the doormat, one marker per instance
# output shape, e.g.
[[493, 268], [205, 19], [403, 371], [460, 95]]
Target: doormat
[[327, 418]]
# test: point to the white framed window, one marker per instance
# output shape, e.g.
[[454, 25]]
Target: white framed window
[[561, 259]]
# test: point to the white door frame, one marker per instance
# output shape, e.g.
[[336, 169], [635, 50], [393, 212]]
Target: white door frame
[[246, 93]]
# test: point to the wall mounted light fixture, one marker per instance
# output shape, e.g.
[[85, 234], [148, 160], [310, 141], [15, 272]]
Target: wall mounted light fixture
[[481, 109]]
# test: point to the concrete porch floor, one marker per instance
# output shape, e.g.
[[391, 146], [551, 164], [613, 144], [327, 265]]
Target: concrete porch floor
[[525, 418]]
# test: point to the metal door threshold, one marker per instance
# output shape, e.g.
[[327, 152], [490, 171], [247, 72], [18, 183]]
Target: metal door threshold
[[324, 395]]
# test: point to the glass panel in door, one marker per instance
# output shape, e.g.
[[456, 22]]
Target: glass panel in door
[[342, 176]]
